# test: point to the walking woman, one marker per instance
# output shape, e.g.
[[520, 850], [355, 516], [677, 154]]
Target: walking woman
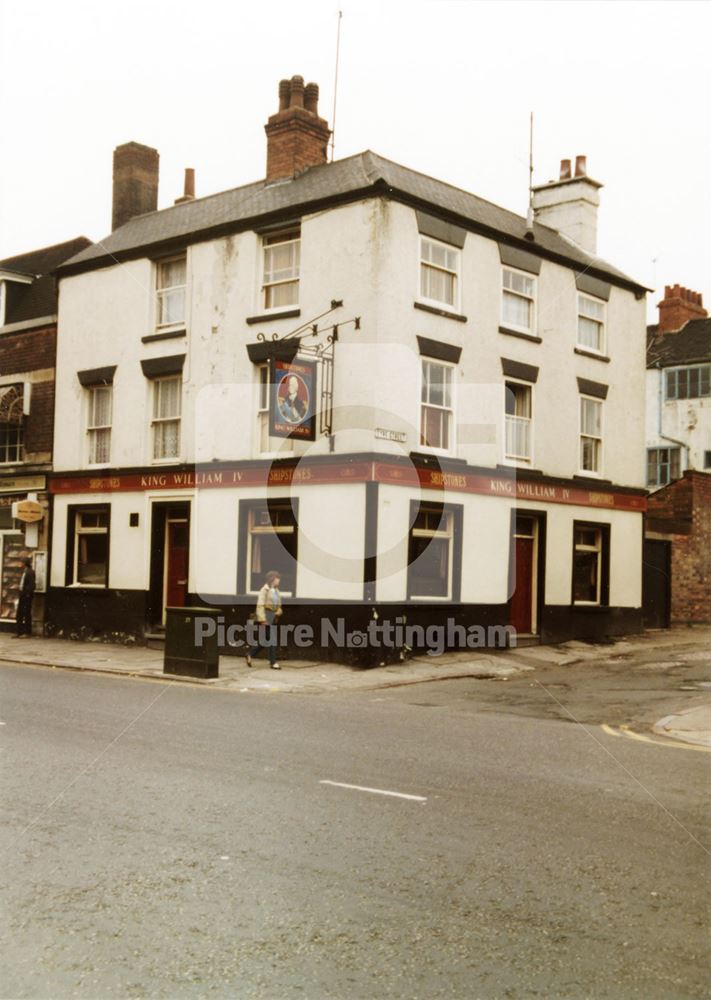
[[268, 613]]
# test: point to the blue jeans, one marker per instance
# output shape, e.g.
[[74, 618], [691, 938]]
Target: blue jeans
[[271, 639]]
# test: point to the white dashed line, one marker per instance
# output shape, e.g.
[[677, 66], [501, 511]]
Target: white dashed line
[[375, 791]]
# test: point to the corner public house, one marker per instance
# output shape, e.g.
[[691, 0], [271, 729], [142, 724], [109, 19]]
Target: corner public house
[[478, 401]]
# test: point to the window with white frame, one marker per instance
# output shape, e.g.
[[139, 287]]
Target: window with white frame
[[430, 553], [170, 292], [11, 438], [518, 304], [437, 406], [282, 263], [590, 434], [98, 423], [165, 422], [439, 272], [690, 382], [590, 563], [266, 444], [272, 539], [591, 324], [519, 411], [11, 424], [89, 547], [663, 465]]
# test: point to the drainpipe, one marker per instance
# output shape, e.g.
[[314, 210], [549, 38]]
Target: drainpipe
[[665, 437]]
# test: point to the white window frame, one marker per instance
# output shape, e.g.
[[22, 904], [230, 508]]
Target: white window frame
[[275, 446], [290, 235], [600, 439], [159, 421], [18, 445], [448, 534], [455, 272], [602, 323], [519, 459], [452, 409], [93, 430], [162, 291], [94, 530], [533, 298]]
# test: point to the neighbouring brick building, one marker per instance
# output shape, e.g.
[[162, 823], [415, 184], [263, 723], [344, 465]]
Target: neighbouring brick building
[[28, 341], [680, 514]]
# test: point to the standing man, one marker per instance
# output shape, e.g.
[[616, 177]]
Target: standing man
[[24, 603]]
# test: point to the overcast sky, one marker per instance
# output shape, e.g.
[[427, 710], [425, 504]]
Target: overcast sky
[[443, 87]]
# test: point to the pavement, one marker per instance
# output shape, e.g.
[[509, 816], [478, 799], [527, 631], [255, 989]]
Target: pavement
[[693, 725]]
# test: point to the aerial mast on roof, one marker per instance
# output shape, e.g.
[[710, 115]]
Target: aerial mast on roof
[[529, 214], [335, 86]]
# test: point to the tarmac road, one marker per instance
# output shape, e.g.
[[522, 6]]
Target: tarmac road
[[169, 841]]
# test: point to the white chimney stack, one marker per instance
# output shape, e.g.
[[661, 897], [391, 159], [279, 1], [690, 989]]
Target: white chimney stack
[[570, 204]]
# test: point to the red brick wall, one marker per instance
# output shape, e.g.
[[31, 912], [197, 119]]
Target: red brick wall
[[683, 511], [28, 350], [39, 424]]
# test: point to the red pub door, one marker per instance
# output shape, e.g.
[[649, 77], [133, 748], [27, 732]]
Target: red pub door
[[176, 563], [523, 599]]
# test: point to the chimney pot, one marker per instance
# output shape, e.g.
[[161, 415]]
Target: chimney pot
[[311, 98], [135, 182], [297, 92], [565, 170], [188, 187], [284, 94], [581, 166]]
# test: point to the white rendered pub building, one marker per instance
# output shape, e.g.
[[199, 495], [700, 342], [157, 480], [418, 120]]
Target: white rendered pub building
[[467, 397]]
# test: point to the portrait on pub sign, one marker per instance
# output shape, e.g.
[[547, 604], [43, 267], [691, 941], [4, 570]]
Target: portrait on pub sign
[[293, 391]]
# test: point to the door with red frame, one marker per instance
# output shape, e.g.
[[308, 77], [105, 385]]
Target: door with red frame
[[175, 589], [524, 596]]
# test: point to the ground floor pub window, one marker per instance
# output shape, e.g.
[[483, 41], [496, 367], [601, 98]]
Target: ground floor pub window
[[88, 546], [431, 562], [590, 563], [270, 541]]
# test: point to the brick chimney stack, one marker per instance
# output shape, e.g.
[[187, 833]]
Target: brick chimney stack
[[678, 306], [135, 182], [296, 137]]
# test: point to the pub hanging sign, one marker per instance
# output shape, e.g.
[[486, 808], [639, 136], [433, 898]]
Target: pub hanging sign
[[293, 399]]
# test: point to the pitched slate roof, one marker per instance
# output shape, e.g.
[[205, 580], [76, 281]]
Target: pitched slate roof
[[365, 174], [38, 299], [688, 346]]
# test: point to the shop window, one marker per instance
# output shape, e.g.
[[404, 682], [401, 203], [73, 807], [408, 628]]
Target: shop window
[[269, 541], [88, 546], [170, 292], [591, 563], [282, 264], [99, 424], [433, 558], [437, 406]]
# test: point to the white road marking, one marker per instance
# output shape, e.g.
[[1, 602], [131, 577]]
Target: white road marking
[[661, 741], [374, 791]]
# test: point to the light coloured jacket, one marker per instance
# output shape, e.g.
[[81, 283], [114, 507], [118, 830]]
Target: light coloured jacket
[[264, 602]]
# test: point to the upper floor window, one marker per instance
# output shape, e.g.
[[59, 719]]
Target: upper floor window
[[663, 465], [10, 444], [170, 292], [518, 304], [439, 272], [690, 382], [166, 417], [11, 425], [519, 411], [590, 434], [99, 424], [591, 324], [437, 406], [282, 262]]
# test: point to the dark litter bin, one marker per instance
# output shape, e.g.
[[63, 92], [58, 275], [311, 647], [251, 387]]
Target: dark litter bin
[[191, 648]]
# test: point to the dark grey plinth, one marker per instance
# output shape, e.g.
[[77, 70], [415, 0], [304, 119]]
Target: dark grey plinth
[[183, 654]]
